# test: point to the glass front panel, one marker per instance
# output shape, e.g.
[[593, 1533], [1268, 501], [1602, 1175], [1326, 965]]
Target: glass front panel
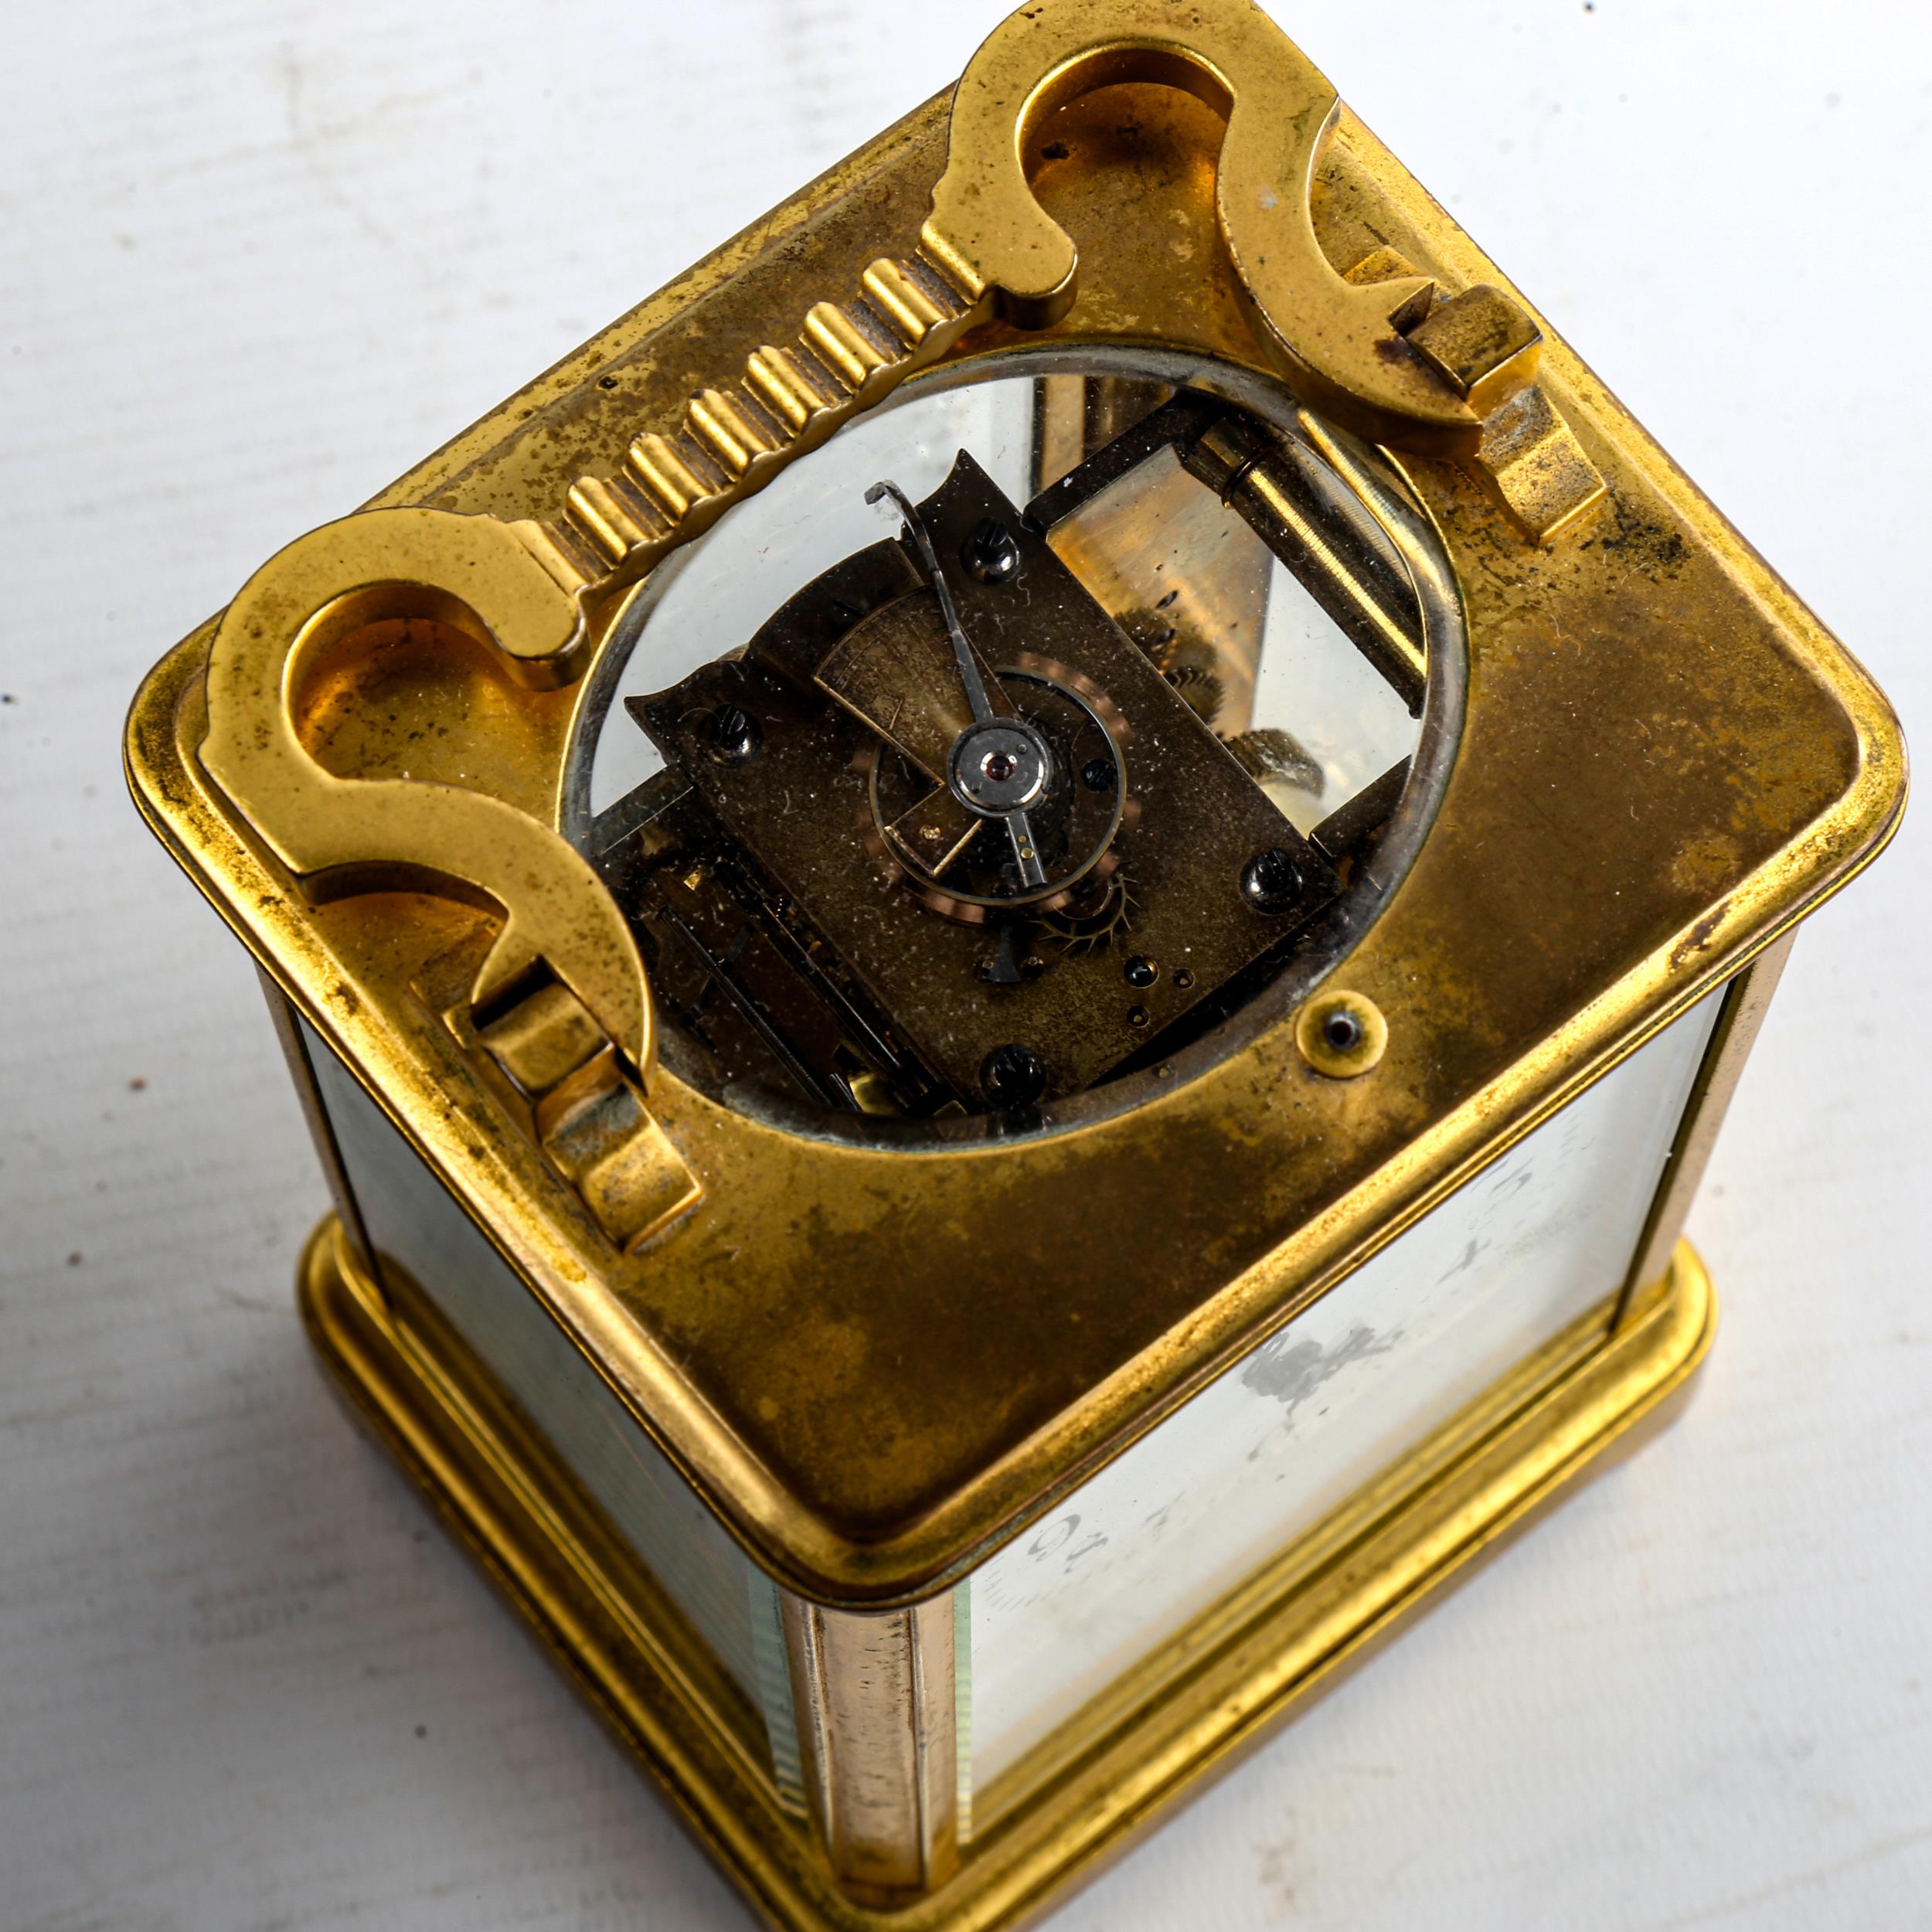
[[1264, 1453]]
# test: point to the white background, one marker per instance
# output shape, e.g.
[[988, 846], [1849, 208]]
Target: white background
[[254, 260]]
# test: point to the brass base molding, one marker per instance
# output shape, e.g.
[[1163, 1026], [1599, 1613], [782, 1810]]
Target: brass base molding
[[1185, 1714]]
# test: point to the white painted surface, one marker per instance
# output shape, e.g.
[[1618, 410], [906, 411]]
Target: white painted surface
[[253, 262]]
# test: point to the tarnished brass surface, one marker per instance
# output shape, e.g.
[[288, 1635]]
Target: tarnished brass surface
[[1746, 1000], [890, 671], [1341, 1034], [1665, 761], [1189, 1712], [873, 1691]]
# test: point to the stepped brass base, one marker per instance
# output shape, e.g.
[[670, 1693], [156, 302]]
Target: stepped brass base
[[1085, 1794]]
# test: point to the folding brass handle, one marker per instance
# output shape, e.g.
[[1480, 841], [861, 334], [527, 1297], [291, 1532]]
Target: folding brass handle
[[1341, 341], [485, 578]]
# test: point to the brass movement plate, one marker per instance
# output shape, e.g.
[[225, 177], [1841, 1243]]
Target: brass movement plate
[[1665, 762], [1216, 1690]]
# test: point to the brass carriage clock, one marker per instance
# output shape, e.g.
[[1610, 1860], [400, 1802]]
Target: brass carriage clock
[[1013, 933]]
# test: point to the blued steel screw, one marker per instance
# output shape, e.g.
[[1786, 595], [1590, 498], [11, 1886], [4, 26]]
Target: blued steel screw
[[1012, 1075], [990, 552], [736, 735], [1271, 880]]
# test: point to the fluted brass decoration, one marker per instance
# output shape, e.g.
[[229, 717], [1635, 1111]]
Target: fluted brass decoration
[[672, 488]]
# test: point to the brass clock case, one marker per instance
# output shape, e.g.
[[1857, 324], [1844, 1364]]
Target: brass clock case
[[1663, 761]]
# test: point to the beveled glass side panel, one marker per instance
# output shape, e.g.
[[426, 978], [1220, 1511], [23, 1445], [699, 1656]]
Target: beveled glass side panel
[[1266, 1452], [415, 1223]]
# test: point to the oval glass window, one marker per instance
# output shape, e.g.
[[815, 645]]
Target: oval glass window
[[1037, 737]]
